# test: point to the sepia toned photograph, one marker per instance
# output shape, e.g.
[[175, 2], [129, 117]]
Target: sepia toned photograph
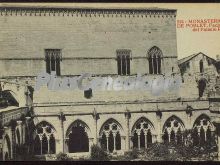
[[109, 82]]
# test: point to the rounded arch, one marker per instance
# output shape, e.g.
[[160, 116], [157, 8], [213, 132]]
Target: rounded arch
[[173, 130], [44, 139], [77, 136], [8, 151], [142, 133], [155, 56], [110, 135]]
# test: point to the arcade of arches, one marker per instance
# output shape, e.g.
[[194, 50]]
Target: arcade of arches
[[111, 135]]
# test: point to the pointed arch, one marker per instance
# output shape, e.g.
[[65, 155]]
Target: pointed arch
[[77, 136], [80, 123], [173, 130], [203, 130], [145, 120], [142, 132], [202, 117], [155, 57], [110, 135], [42, 141], [109, 121]]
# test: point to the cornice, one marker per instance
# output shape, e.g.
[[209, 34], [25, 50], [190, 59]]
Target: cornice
[[87, 12]]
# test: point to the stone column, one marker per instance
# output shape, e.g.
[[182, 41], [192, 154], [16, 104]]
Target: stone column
[[157, 64], [19, 122], [145, 138], [152, 62], [139, 140], [13, 125], [95, 117], [66, 141], [205, 130], [40, 137], [114, 141], [127, 117], [107, 136], [176, 137], [199, 136], [169, 137], [28, 133], [62, 119], [159, 131], [90, 144], [48, 145]]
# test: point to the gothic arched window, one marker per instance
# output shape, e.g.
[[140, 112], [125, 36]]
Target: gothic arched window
[[123, 61], [77, 136], [202, 130], [155, 57], [173, 130], [44, 142], [111, 136], [142, 133]]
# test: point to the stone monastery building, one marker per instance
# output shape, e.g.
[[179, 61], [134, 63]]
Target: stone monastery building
[[119, 43]]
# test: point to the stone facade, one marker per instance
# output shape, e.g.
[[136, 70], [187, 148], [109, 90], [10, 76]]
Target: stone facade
[[67, 121]]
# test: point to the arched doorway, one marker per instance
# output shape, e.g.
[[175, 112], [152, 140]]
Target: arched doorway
[[77, 136], [173, 130], [142, 133], [203, 131], [44, 142], [110, 136]]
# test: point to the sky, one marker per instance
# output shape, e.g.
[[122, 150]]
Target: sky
[[188, 42]]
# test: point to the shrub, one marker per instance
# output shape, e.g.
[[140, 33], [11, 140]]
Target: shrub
[[132, 154], [63, 157], [97, 153]]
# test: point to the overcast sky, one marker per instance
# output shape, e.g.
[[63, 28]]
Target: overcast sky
[[188, 42]]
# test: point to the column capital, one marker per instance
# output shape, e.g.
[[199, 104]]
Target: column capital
[[19, 122], [127, 114], [95, 114], [158, 113], [62, 116]]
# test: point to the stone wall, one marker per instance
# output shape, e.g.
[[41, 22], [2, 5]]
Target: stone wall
[[84, 40]]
